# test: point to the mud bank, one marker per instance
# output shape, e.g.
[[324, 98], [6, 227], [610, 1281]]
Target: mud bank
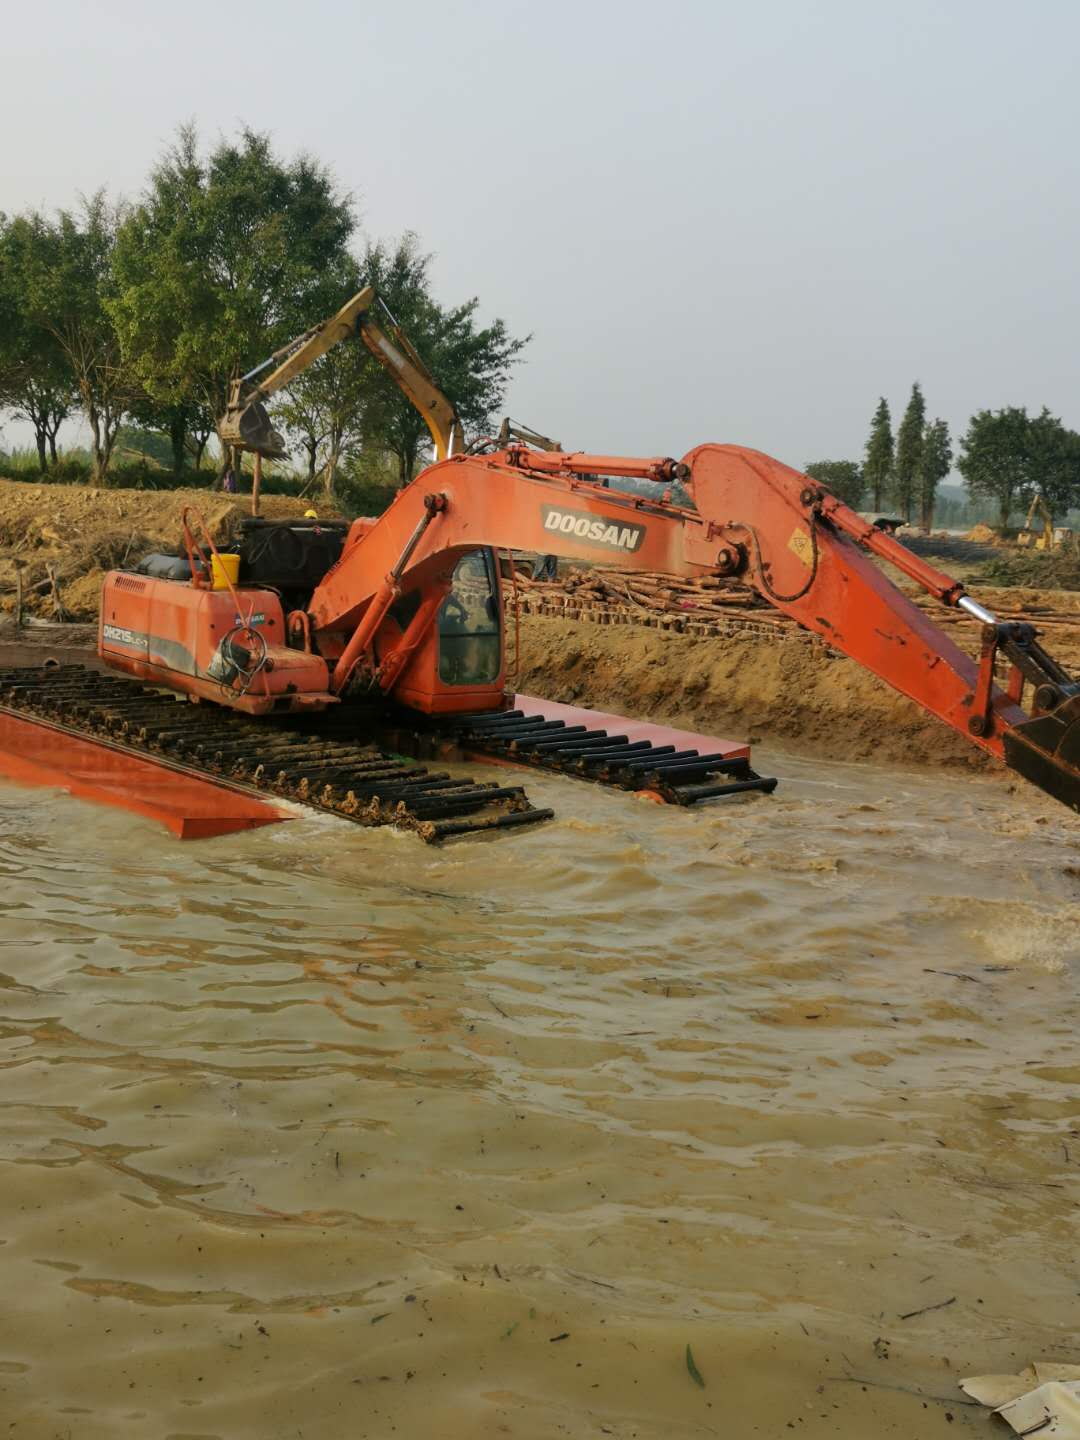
[[82, 533], [788, 690]]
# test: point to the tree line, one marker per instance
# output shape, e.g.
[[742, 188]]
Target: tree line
[[1007, 457], [143, 313]]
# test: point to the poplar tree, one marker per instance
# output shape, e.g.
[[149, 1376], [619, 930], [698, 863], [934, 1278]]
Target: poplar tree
[[877, 471], [935, 461], [909, 444]]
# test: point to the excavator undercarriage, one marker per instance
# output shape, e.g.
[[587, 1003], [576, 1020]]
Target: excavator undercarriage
[[333, 761]]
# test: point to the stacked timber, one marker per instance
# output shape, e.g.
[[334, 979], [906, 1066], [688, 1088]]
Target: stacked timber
[[717, 606], [705, 605]]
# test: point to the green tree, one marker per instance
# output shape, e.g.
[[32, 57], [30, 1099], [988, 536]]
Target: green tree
[[909, 441], [224, 260], [994, 458], [935, 462], [200, 426], [843, 478], [1054, 462], [471, 366], [878, 465], [36, 383], [305, 421], [66, 266], [326, 408], [185, 424]]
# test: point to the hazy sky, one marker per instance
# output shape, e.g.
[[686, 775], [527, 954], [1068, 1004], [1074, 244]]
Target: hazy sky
[[726, 221]]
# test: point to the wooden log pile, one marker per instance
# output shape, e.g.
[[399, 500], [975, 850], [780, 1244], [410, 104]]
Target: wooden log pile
[[714, 606], [705, 605]]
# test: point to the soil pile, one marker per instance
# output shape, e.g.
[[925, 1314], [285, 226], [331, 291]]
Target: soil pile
[[737, 686], [1054, 569], [82, 533], [758, 676]]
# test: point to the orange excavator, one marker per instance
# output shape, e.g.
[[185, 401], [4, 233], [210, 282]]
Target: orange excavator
[[313, 638], [410, 612]]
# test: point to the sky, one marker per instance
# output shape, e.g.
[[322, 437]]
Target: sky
[[718, 221]]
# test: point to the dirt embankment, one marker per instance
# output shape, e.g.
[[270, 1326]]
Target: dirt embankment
[[763, 678], [82, 533], [788, 690]]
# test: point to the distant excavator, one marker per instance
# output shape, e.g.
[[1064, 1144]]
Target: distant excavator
[[246, 424], [1029, 537]]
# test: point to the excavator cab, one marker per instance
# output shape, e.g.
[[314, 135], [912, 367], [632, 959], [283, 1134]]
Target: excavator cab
[[458, 666]]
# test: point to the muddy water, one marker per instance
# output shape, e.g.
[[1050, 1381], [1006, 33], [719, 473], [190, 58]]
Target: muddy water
[[318, 1132]]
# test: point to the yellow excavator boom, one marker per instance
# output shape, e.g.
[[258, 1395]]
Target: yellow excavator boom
[[246, 424]]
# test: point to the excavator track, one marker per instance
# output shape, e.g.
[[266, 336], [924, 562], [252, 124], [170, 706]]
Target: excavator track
[[675, 774], [342, 775], [679, 777]]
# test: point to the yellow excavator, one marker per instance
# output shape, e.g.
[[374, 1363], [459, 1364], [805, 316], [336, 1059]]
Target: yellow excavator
[[246, 424], [1030, 538]]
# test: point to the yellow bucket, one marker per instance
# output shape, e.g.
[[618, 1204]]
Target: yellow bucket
[[224, 570]]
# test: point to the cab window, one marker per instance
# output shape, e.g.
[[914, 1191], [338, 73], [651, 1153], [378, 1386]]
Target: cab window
[[470, 625]]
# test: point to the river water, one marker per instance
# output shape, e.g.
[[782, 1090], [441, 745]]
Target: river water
[[318, 1132]]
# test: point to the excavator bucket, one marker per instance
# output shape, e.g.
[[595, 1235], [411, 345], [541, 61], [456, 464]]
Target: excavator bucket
[[1046, 751], [248, 425]]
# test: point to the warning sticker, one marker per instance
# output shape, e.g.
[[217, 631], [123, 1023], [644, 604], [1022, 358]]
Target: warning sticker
[[801, 545]]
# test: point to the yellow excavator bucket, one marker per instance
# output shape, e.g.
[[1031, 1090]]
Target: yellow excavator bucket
[[247, 424]]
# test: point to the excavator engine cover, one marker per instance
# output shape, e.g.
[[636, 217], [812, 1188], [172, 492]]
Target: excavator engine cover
[[198, 642], [290, 555]]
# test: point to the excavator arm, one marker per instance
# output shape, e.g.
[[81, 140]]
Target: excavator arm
[[1027, 535], [246, 423], [755, 519]]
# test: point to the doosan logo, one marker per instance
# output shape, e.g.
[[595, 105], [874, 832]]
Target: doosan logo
[[577, 525]]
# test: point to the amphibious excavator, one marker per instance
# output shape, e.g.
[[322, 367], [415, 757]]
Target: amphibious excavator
[[411, 612], [333, 635]]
